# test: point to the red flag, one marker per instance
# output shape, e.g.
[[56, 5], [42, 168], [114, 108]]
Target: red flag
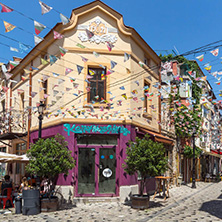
[[5, 8]]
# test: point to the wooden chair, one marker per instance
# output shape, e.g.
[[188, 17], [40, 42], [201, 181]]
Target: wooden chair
[[8, 197]]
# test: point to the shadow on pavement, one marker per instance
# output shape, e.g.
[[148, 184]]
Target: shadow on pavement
[[213, 207]]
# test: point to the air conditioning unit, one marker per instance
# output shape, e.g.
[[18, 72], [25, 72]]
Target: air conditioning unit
[[203, 144]]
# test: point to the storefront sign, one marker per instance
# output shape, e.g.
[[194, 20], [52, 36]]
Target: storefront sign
[[110, 129]]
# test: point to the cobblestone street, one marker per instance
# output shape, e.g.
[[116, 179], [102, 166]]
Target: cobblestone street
[[185, 204]]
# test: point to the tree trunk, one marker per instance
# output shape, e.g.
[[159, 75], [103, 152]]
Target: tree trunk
[[142, 183]]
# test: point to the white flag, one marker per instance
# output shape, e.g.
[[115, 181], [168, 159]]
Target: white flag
[[215, 52], [45, 8]]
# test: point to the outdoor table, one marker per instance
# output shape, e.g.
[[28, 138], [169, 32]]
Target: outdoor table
[[166, 185]]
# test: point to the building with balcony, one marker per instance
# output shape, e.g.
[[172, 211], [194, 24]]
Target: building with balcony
[[98, 80]]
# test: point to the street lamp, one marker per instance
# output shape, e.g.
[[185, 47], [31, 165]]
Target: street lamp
[[40, 111], [193, 177]]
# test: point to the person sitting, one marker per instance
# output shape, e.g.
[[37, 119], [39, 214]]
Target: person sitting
[[24, 185], [6, 184]]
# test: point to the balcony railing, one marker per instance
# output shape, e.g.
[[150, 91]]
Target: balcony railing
[[13, 121]]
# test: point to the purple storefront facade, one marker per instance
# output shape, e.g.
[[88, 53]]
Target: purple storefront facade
[[99, 151]]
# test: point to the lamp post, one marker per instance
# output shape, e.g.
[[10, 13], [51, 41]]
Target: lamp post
[[40, 111], [194, 176]]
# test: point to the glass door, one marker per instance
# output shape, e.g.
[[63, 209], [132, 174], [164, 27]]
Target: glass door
[[86, 171], [107, 170]]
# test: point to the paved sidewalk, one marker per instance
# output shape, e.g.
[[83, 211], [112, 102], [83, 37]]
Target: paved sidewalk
[[185, 204]]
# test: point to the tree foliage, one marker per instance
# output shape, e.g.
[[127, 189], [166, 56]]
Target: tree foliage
[[50, 157], [146, 157], [188, 152]]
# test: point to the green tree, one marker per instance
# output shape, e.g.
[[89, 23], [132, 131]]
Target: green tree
[[50, 157], [146, 157], [188, 152]]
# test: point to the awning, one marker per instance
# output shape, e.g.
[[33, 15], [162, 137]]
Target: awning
[[7, 156], [11, 136], [158, 137]]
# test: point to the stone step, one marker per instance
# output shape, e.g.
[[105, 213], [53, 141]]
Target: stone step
[[95, 199]]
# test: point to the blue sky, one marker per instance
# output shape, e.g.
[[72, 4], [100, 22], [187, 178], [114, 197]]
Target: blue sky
[[186, 24]]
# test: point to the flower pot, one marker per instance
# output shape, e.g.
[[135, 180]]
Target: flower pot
[[49, 204], [140, 202]]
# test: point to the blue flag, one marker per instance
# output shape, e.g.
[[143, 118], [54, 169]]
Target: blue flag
[[79, 68], [53, 59]]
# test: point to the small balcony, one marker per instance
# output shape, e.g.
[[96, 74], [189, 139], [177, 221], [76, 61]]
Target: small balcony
[[13, 124]]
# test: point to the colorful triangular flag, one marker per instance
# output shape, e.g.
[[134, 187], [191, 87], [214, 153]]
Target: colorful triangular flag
[[45, 8], [89, 34], [200, 58], [215, 52], [53, 59], [62, 51], [109, 46], [64, 19], [68, 70], [113, 64], [126, 57], [57, 35], [84, 59], [8, 27], [44, 62], [5, 8], [79, 68], [37, 39], [38, 27]]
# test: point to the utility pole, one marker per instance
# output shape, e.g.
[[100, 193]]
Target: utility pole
[[194, 176]]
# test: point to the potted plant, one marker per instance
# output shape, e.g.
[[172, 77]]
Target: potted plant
[[146, 157], [47, 159]]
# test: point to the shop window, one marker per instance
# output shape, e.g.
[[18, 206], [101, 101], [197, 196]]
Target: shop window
[[96, 85], [97, 139], [3, 149]]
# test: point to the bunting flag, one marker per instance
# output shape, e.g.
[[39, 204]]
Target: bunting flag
[[13, 64], [4, 69], [126, 57], [141, 64], [84, 59], [79, 68], [68, 89], [62, 51], [23, 47], [72, 79], [53, 59], [37, 39], [8, 75], [44, 62], [128, 71], [124, 96], [96, 54], [55, 74], [122, 88], [38, 27], [57, 35], [113, 64], [64, 19], [45, 77], [8, 27], [218, 83], [109, 46], [23, 78], [45, 8], [19, 91], [89, 34], [68, 70], [60, 81], [109, 71], [215, 52], [200, 58], [14, 49], [5, 8], [80, 46], [208, 68], [137, 83], [91, 72]]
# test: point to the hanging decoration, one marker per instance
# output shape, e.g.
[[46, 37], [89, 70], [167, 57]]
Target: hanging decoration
[[5, 8], [8, 27], [45, 8], [38, 27]]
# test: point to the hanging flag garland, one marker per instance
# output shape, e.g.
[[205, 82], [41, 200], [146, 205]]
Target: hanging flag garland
[[64, 19], [5, 8], [62, 51], [57, 35], [45, 8], [53, 59], [37, 40], [200, 58], [38, 27], [79, 68], [8, 27], [215, 52]]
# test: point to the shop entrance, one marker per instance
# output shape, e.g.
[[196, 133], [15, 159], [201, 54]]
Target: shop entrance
[[97, 166]]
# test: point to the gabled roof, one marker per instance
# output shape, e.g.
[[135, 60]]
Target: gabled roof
[[76, 13]]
